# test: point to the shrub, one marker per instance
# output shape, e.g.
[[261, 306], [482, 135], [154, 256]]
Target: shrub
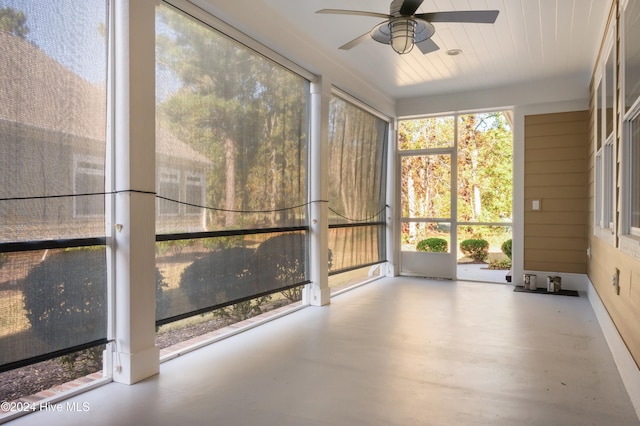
[[243, 310], [65, 297], [499, 264], [435, 245], [477, 249], [506, 248], [219, 277], [281, 259]]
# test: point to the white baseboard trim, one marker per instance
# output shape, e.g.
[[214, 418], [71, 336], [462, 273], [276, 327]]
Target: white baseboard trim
[[624, 361]]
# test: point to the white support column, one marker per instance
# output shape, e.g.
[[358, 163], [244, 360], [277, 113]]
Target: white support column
[[318, 292], [136, 356], [393, 250]]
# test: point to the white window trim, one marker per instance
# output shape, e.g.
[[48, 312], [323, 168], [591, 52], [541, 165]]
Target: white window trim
[[201, 185], [166, 175], [78, 169], [629, 237], [605, 156]]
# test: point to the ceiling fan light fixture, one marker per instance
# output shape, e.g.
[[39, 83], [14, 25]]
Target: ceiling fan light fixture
[[403, 33]]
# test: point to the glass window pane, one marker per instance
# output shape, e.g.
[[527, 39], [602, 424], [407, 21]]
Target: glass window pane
[[233, 117], [426, 133], [610, 94], [485, 168], [635, 174], [599, 106], [631, 53], [426, 186]]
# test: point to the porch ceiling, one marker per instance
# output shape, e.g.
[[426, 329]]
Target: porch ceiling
[[531, 40]]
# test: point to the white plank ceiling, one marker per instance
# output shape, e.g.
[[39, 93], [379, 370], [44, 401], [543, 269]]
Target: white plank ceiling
[[532, 40]]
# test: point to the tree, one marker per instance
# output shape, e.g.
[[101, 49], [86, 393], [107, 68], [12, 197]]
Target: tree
[[13, 21], [246, 114]]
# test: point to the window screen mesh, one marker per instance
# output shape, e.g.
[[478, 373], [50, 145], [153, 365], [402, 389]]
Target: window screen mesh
[[231, 133], [231, 157], [52, 150], [357, 185], [202, 274]]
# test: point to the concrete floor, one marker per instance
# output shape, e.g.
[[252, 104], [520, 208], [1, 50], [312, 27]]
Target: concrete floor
[[401, 351]]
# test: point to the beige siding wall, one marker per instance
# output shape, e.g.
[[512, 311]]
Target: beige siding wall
[[623, 306], [556, 173]]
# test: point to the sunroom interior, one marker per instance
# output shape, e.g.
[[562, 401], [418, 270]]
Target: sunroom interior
[[179, 174]]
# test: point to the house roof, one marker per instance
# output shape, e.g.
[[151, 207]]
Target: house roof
[[39, 92]]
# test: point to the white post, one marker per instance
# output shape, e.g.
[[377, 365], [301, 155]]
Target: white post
[[393, 250], [136, 356], [318, 292]]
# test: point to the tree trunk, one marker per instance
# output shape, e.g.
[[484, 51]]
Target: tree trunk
[[230, 181]]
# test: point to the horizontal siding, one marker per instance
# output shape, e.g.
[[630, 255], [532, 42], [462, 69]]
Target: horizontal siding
[[556, 173], [622, 307]]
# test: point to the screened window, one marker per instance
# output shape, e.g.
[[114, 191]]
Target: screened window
[[631, 44], [631, 135], [52, 156], [635, 175], [88, 179], [169, 189], [605, 130], [357, 186], [194, 193], [231, 156]]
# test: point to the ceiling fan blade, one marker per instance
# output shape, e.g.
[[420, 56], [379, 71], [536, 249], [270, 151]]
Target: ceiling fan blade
[[409, 7], [353, 12], [356, 41], [471, 16], [427, 46]]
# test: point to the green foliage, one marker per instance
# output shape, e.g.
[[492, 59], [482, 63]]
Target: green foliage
[[244, 113], [65, 297], [499, 264], [13, 21], [243, 310], [83, 362], [484, 164], [477, 249], [219, 277], [507, 247], [434, 245], [173, 247], [281, 259]]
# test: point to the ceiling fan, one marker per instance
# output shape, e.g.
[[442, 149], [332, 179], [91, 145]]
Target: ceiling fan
[[402, 28]]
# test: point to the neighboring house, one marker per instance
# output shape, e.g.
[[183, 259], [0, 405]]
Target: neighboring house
[[53, 139]]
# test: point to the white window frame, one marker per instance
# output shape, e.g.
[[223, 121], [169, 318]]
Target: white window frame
[[84, 165], [169, 176], [189, 180], [629, 236], [604, 146]]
